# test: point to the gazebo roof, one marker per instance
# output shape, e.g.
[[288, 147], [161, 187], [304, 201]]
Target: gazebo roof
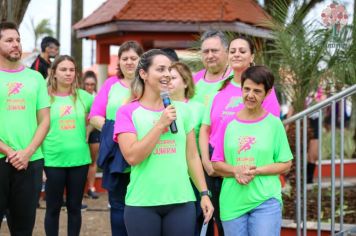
[[183, 14]]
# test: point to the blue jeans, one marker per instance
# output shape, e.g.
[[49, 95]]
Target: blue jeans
[[266, 219], [117, 205]]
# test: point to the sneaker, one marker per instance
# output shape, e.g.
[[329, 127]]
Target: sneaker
[[84, 207], [92, 194], [4, 219]]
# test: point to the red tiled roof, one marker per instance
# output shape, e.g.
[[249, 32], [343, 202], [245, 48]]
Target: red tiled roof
[[246, 11]]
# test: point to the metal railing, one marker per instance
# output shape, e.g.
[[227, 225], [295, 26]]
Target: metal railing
[[301, 220]]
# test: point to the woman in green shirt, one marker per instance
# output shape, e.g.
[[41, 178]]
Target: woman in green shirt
[[65, 148]]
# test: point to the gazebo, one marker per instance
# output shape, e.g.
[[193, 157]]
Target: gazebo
[[166, 23]]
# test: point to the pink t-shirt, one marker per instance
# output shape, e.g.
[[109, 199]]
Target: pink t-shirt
[[101, 100], [227, 102]]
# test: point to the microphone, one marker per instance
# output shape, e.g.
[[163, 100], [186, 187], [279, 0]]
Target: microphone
[[166, 103]]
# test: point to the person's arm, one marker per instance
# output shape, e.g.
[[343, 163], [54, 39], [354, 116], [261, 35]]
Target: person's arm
[[89, 128], [273, 169], [97, 113], [6, 150], [197, 175], [22, 157], [224, 169], [204, 149], [135, 151], [97, 122]]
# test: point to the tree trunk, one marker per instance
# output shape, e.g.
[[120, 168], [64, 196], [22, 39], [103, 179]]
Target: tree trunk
[[58, 23], [14, 12], [76, 45]]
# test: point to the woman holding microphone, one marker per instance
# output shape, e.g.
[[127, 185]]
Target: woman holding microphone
[[113, 94], [159, 196]]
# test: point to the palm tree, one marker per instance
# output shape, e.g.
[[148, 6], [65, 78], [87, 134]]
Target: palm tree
[[41, 29]]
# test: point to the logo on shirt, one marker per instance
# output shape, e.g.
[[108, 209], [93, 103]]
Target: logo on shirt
[[245, 143], [165, 147], [65, 110], [14, 88], [234, 102]]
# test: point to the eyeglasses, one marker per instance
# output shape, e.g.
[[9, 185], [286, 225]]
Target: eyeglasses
[[90, 84]]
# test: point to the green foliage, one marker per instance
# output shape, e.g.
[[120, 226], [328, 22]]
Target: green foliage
[[302, 55], [43, 28]]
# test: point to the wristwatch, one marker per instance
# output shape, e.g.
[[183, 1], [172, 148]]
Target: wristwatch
[[206, 193]]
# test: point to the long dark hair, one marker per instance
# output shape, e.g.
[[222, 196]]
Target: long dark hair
[[252, 50]]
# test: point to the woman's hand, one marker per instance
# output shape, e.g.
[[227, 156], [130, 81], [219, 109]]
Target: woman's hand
[[207, 208], [168, 116], [244, 174]]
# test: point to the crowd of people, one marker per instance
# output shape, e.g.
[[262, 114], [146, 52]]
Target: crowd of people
[[208, 156]]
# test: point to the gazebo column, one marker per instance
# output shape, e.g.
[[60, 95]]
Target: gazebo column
[[103, 60]]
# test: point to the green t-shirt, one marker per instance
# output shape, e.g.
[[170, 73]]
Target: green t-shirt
[[261, 142], [22, 93], [118, 95], [197, 113], [162, 178], [204, 89], [65, 144]]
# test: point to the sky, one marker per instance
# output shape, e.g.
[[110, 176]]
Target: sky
[[39, 9]]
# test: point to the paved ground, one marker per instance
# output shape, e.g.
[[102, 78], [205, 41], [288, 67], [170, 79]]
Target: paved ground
[[95, 220]]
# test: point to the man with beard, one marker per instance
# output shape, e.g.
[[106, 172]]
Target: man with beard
[[49, 50], [24, 119]]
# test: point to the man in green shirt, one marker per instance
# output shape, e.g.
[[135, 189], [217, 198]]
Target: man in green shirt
[[24, 120]]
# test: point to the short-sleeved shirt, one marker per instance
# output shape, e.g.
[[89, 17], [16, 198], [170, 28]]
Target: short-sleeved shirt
[[22, 93], [260, 142], [227, 102], [162, 178], [112, 95], [197, 112], [205, 89], [65, 144]]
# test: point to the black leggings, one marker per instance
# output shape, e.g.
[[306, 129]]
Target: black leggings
[[73, 180], [167, 220]]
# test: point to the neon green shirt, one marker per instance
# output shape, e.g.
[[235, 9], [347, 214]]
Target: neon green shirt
[[65, 144], [22, 93], [205, 89], [162, 178], [261, 142], [197, 113]]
